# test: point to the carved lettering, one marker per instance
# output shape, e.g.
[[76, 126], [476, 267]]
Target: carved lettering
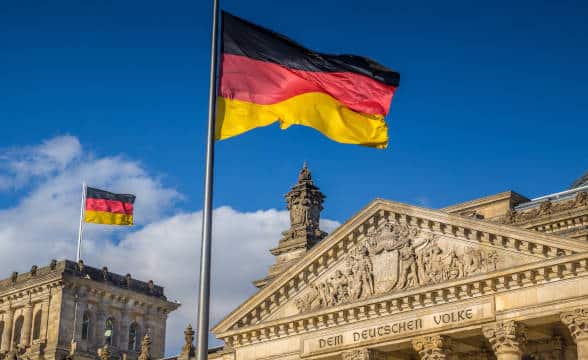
[[398, 328], [395, 328], [453, 317], [331, 341]]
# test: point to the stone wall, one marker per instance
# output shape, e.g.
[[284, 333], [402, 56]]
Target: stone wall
[[67, 308]]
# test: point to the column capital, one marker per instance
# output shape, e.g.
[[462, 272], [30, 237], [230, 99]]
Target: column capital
[[362, 354], [436, 347], [577, 322], [506, 337]]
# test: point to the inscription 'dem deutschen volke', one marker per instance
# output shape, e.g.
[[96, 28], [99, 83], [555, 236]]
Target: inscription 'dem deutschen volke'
[[401, 327]]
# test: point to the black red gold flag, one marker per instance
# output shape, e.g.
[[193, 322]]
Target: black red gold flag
[[103, 207], [266, 77]]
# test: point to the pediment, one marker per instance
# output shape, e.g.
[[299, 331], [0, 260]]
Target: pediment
[[388, 248]]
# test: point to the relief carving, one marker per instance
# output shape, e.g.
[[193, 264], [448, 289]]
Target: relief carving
[[577, 323], [435, 347], [396, 257], [544, 209], [506, 337]]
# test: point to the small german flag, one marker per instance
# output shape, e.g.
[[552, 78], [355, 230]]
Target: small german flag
[[103, 207], [266, 77]]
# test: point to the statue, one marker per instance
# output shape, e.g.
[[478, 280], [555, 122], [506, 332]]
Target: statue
[[408, 266], [188, 348], [304, 174], [104, 353], [340, 287], [145, 353]]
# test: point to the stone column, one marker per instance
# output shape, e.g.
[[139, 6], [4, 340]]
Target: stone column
[[7, 335], [577, 323], [508, 339], [436, 347], [25, 339], [123, 335], [45, 317], [98, 327], [362, 354]]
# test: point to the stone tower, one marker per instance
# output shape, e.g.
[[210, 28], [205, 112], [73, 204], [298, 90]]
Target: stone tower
[[305, 203], [68, 309]]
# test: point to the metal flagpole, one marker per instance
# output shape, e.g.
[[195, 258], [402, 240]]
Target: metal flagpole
[[73, 347], [81, 229], [204, 290]]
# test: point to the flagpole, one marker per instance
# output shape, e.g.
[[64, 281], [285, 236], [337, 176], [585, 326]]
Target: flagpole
[[81, 228], [204, 290]]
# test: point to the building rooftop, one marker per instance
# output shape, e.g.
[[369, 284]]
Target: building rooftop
[[68, 267]]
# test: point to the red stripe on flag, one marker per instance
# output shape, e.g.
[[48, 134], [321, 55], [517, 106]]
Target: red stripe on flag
[[268, 83], [112, 206]]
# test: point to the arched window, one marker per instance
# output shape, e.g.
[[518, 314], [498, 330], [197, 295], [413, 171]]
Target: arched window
[[1, 332], [133, 337], [86, 326], [37, 325], [109, 331], [18, 329]]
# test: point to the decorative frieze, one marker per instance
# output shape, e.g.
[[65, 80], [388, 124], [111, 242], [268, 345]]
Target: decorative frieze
[[396, 257], [435, 347], [546, 208], [506, 337], [320, 286], [528, 276]]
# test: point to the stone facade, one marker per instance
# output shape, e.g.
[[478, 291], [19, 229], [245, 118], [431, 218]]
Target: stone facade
[[68, 309], [501, 277]]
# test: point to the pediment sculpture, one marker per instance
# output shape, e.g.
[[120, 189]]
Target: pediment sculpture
[[395, 257]]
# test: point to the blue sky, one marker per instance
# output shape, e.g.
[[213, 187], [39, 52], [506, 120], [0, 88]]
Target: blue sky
[[492, 97]]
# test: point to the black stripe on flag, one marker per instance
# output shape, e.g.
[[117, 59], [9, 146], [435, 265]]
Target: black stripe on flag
[[93, 193], [241, 37]]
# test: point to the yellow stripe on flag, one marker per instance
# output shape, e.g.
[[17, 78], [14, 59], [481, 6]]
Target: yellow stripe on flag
[[316, 110], [103, 217]]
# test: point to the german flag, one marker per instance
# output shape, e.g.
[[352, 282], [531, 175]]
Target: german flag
[[103, 207], [266, 77]]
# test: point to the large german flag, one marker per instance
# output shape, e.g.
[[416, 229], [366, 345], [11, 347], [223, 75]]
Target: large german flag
[[103, 207], [266, 77]]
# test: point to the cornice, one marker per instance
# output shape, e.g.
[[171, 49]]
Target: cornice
[[40, 285], [564, 219], [505, 195], [332, 248], [546, 211], [525, 276], [118, 294]]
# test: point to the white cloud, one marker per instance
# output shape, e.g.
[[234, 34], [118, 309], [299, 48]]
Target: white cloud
[[24, 164], [166, 245]]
